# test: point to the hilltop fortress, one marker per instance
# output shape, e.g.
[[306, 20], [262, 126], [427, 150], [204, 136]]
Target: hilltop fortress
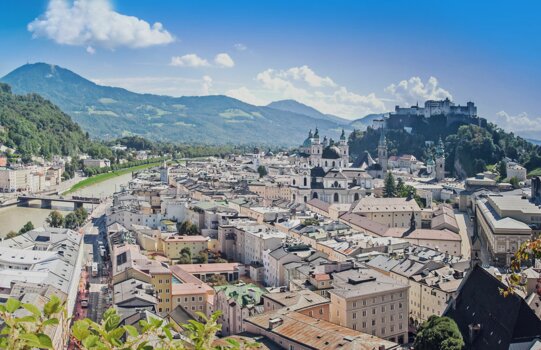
[[445, 110]]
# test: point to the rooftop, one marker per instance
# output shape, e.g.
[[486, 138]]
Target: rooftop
[[315, 333]]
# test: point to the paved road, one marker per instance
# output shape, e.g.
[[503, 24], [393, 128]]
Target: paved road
[[95, 232], [466, 232]]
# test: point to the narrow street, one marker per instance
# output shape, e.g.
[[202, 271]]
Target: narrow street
[[94, 289], [466, 231]]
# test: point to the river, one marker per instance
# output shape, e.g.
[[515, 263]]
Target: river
[[13, 218]]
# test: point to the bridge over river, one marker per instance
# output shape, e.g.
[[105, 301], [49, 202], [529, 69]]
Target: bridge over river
[[47, 201]]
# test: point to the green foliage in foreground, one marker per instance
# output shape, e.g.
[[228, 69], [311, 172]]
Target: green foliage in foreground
[[26, 325], [26, 328], [439, 333]]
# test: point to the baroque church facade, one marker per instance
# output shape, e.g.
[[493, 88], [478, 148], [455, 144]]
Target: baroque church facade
[[323, 171]]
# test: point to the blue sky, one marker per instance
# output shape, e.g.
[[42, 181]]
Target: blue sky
[[348, 58]]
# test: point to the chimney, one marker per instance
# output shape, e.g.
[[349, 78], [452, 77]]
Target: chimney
[[275, 322]]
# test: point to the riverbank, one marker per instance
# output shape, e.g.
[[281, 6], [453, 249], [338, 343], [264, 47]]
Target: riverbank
[[107, 176]]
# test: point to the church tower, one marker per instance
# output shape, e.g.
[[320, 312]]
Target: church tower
[[344, 149], [382, 153], [440, 161], [164, 173]]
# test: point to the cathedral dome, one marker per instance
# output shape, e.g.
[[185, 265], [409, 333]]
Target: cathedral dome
[[307, 142], [331, 152]]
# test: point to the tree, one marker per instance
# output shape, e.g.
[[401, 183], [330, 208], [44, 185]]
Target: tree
[[12, 234], [29, 226], [439, 333], [514, 182], [400, 187], [389, 191], [187, 228], [202, 258], [262, 171], [55, 219], [524, 255], [502, 170], [311, 222], [185, 256], [28, 332], [81, 214], [217, 280], [71, 221]]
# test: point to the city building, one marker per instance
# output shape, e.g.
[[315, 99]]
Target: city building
[[366, 300], [129, 263], [505, 222], [237, 302], [296, 331]]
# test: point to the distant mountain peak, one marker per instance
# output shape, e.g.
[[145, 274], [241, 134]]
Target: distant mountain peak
[[295, 106]]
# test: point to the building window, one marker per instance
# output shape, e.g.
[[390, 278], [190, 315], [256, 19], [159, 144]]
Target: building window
[[354, 326], [354, 315], [373, 322], [336, 198]]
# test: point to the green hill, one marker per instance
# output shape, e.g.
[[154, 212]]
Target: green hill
[[35, 126], [108, 112]]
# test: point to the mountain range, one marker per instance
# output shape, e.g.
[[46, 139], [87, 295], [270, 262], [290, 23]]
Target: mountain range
[[109, 112]]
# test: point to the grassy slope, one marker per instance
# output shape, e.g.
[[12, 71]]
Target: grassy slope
[[106, 176], [535, 172]]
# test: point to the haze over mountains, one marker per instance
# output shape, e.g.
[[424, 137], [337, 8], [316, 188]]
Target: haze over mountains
[[108, 112]]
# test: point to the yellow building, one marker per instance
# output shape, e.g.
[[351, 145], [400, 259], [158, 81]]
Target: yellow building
[[129, 262], [172, 246]]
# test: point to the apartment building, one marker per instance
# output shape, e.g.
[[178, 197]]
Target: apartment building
[[366, 300], [505, 222], [433, 281], [391, 212], [237, 303], [190, 293], [303, 301], [245, 241], [128, 262], [173, 245], [295, 331]]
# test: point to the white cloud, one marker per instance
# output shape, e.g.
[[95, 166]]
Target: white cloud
[[189, 60], [94, 23], [414, 90], [240, 47], [305, 74], [221, 60], [207, 84], [224, 60], [304, 85], [90, 50], [244, 94], [521, 123]]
